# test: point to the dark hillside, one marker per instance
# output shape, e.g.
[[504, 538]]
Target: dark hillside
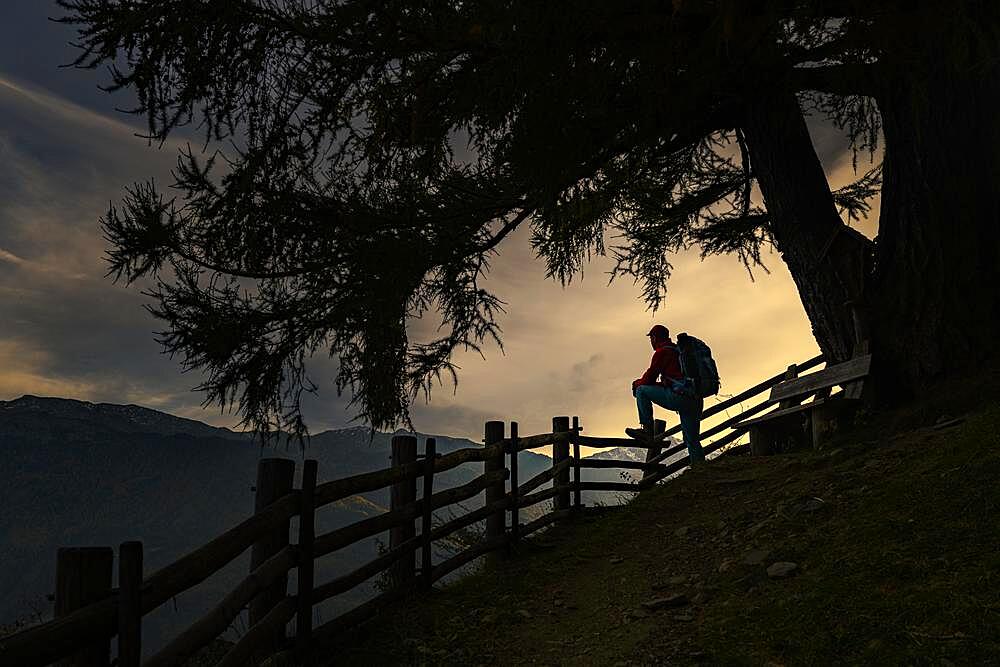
[[891, 533], [84, 474]]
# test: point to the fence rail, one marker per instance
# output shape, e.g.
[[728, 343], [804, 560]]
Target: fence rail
[[264, 589]]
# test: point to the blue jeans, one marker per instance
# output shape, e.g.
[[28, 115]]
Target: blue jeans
[[688, 407]]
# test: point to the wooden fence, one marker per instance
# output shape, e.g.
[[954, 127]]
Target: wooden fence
[[89, 613]]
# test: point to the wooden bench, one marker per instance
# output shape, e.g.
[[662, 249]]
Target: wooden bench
[[795, 423]]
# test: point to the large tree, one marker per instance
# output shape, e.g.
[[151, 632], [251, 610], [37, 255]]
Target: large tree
[[381, 151]]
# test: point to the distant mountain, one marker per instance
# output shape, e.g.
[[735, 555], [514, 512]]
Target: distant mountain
[[65, 413], [629, 453], [76, 474]]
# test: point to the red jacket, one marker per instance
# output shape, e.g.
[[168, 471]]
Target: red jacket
[[665, 363]]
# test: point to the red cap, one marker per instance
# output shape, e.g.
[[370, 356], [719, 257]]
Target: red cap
[[659, 331]]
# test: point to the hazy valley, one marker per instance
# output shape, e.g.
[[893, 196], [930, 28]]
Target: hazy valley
[[84, 474]]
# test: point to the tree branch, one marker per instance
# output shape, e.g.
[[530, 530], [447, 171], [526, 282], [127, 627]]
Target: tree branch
[[850, 79], [236, 273], [510, 226], [747, 176]]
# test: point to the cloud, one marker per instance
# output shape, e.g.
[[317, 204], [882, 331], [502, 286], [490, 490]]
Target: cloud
[[36, 49], [24, 373], [65, 330], [583, 374], [454, 418], [55, 105], [7, 256]]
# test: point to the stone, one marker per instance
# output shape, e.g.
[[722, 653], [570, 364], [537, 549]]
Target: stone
[[677, 580], [813, 504], [524, 613], [614, 560], [682, 532], [684, 618], [676, 600], [780, 570], [756, 557]]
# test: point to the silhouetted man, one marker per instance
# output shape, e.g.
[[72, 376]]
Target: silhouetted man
[[664, 384]]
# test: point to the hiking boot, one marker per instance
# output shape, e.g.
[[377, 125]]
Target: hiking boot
[[644, 432]]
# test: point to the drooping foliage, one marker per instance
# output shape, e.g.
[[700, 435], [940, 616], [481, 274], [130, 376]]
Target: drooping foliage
[[368, 158]]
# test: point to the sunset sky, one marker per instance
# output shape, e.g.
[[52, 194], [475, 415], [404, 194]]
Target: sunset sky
[[65, 330]]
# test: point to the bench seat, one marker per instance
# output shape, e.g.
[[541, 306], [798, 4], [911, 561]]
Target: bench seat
[[795, 409], [795, 422], [809, 422]]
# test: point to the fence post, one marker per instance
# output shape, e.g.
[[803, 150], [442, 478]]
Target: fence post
[[515, 521], [764, 444], [790, 374], [402, 493], [83, 576], [577, 493], [274, 481], [427, 553], [659, 426], [306, 574], [129, 604], [496, 522], [560, 452]]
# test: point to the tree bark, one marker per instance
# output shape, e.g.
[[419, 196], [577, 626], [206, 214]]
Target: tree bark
[[826, 258], [938, 263], [927, 291]]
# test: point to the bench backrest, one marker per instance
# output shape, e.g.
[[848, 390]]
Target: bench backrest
[[838, 374]]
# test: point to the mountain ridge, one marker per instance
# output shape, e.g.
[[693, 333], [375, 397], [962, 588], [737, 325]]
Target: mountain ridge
[[133, 418]]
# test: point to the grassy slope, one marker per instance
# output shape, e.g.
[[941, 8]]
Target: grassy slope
[[897, 564]]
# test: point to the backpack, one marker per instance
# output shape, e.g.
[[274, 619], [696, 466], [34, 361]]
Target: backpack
[[698, 365]]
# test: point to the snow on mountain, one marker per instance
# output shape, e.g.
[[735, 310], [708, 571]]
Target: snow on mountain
[[636, 454]]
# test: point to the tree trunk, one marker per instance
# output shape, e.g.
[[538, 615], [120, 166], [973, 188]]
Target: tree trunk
[[938, 261], [827, 259]]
